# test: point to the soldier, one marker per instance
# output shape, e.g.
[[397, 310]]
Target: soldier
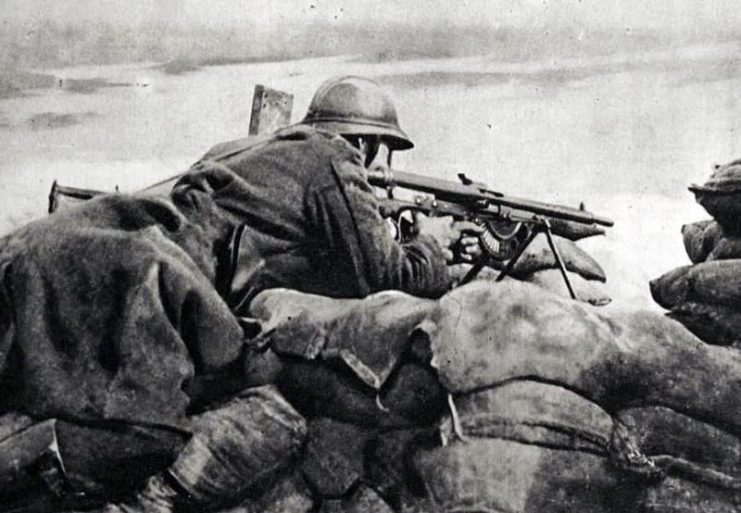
[[307, 217]]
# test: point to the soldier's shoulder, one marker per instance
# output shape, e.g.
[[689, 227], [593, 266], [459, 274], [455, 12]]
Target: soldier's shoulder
[[316, 137], [313, 156], [229, 148], [299, 134], [320, 146]]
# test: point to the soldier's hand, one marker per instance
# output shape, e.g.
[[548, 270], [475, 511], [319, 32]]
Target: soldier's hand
[[468, 248], [461, 236]]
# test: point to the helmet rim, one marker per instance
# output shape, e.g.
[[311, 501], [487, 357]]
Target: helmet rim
[[395, 138], [340, 113]]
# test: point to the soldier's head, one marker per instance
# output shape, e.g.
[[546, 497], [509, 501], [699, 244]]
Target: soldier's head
[[362, 112]]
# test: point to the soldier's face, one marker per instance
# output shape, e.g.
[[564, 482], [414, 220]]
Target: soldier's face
[[382, 157], [376, 154]]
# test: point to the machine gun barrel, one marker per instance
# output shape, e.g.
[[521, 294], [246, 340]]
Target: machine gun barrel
[[473, 193]]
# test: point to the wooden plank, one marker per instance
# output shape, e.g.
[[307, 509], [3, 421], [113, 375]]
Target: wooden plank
[[63, 196], [271, 110]]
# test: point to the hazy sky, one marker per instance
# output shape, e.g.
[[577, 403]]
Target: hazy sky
[[695, 15]]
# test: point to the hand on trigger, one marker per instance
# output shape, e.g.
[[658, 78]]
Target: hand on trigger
[[468, 247], [461, 236]]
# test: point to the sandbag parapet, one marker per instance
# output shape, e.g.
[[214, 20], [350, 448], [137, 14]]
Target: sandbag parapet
[[703, 296]]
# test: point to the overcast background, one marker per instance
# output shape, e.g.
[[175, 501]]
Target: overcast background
[[666, 16], [52, 32]]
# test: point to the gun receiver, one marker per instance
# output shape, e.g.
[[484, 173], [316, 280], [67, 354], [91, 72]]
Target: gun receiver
[[476, 195], [511, 223]]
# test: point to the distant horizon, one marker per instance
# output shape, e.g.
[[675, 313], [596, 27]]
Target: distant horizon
[[45, 43]]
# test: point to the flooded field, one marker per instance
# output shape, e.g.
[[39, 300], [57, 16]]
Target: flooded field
[[624, 133]]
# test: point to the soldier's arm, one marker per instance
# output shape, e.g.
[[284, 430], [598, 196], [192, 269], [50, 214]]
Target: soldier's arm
[[358, 244]]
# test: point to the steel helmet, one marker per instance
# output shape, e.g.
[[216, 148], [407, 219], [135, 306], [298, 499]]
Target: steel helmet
[[356, 106]]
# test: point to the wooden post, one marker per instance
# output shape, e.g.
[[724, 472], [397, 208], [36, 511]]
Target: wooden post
[[271, 110]]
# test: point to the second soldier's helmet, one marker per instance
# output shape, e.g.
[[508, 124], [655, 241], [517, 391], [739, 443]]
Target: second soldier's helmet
[[356, 106]]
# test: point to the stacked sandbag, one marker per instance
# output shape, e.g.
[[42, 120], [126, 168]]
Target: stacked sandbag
[[538, 257], [540, 411], [347, 359], [538, 265], [701, 238], [390, 465], [705, 297], [351, 369], [702, 296], [526, 447], [498, 397], [721, 195], [290, 493], [530, 402], [702, 461], [238, 447]]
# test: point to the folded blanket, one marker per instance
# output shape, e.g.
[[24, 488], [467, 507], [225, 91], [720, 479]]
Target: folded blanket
[[109, 311]]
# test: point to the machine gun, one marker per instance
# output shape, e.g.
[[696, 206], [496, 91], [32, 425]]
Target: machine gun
[[510, 224]]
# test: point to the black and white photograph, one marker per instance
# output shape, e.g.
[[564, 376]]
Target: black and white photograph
[[399, 256]]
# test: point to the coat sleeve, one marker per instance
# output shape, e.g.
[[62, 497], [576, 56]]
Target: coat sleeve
[[356, 242]]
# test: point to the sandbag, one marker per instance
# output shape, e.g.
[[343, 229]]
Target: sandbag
[[720, 196], [13, 422], [245, 441], [261, 366], [367, 335], [534, 413], [333, 457], [700, 238], [709, 282], [538, 256], [588, 291], [323, 391], [289, 494], [56, 463], [574, 231], [362, 500], [661, 431], [674, 495], [502, 476], [32, 476], [727, 248], [527, 445], [389, 463], [707, 241], [411, 396], [109, 460], [484, 334], [714, 324]]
